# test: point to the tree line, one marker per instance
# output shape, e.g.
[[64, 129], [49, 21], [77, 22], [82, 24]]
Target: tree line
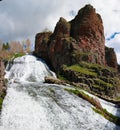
[[10, 48]]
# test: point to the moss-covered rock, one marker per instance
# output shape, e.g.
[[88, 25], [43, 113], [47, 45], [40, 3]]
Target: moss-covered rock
[[101, 80], [52, 80]]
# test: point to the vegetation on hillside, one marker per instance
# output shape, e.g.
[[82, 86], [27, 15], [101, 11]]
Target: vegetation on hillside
[[95, 78], [97, 106]]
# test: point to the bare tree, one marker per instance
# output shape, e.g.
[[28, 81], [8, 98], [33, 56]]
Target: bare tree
[[28, 45], [16, 47], [1, 45]]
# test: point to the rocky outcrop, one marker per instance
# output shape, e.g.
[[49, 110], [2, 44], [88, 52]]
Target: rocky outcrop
[[41, 44], [2, 72], [96, 78], [2, 83], [87, 29], [110, 57], [52, 80], [81, 39]]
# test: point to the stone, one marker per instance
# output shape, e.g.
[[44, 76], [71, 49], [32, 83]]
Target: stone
[[52, 80]]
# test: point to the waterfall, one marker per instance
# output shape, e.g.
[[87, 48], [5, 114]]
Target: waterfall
[[31, 104], [28, 68]]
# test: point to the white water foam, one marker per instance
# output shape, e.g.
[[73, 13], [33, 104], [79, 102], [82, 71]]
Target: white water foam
[[38, 106], [28, 68]]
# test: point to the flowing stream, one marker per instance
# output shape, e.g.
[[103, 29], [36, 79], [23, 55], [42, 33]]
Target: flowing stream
[[31, 104]]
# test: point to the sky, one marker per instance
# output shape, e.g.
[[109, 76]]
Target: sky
[[22, 19]]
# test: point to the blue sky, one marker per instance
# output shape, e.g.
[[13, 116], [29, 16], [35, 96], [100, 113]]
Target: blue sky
[[112, 36], [20, 20]]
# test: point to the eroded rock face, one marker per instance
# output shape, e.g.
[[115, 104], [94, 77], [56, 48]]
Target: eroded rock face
[[110, 56], [2, 82], [41, 44], [87, 29], [81, 39]]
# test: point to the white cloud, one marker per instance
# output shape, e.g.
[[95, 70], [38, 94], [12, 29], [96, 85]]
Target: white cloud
[[23, 19], [115, 43]]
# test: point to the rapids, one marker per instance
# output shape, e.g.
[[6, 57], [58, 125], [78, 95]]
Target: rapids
[[31, 104]]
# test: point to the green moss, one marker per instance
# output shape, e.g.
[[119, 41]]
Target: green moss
[[98, 108], [52, 90], [81, 56], [118, 98], [108, 115], [1, 101], [82, 70], [2, 96], [61, 77], [18, 55], [102, 83], [96, 66], [98, 87], [6, 81], [91, 100]]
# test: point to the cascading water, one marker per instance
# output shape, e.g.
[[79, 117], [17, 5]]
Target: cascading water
[[31, 104]]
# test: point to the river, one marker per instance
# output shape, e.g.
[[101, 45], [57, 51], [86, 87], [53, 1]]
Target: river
[[31, 104]]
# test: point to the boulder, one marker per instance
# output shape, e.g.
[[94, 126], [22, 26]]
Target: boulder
[[52, 80]]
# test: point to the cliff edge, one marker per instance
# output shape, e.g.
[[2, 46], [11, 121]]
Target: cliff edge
[[76, 50]]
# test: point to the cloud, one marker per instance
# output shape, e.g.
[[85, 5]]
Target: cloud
[[23, 19], [115, 43]]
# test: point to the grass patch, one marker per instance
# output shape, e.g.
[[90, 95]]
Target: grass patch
[[81, 56], [98, 87], [98, 107], [91, 100], [82, 70], [2, 95], [118, 98], [108, 115], [1, 101], [18, 55], [61, 77], [96, 66], [102, 83]]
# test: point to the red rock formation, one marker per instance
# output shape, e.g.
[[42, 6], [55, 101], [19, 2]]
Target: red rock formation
[[81, 39], [41, 41], [110, 56], [87, 29], [62, 29]]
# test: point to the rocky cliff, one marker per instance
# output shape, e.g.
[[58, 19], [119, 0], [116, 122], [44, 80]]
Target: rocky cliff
[[2, 72], [80, 40], [2, 82]]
